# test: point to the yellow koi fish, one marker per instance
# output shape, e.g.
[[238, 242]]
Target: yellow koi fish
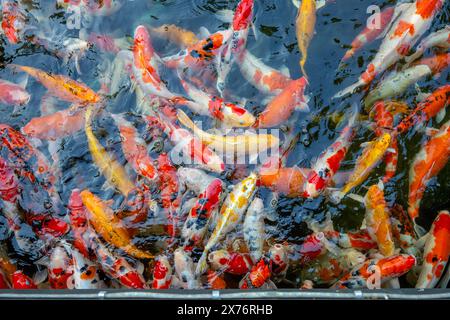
[[62, 87], [369, 159], [248, 143], [106, 224], [109, 167], [306, 22], [231, 215]]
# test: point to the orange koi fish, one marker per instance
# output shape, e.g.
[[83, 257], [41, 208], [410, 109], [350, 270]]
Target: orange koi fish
[[281, 107], [62, 87], [430, 160]]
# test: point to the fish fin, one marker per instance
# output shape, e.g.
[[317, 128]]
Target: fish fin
[[23, 80], [303, 106], [380, 185], [186, 121], [399, 9], [297, 3], [441, 115], [225, 15], [445, 279], [420, 231], [431, 131], [391, 150], [40, 276], [203, 33], [349, 90], [285, 71], [356, 197], [365, 144], [255, 33], [202, 264]]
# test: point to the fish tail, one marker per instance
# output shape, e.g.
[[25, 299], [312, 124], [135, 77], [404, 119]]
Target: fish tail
[[302, 67], [202, 264]]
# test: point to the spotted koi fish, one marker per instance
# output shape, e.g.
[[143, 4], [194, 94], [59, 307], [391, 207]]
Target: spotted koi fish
[[162, 273], [387, 268], [79, 224], [411, 22], [378, 220], [13, 94], [135, 149], [62, 86], [286, 181], [234, 49], [359, 240], [184, 270], [368, 35], [329, 162], [254, 229], [231, 214], [262, 77], [227, 113], [403, 230], [106, 224], [436, 252], [86, 274], [369, 159], [230, 262], [216, 280], [430, 160], [280, 108], [383, 115], [426, 109]]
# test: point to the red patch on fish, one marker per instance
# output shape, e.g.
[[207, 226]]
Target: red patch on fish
[[426, 8]]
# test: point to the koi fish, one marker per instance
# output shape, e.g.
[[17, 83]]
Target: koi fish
[[62, 86], [13, 21], [412, 20], [216, 281], [235, 47], [60, 269], [262, 77], [118, 268], [13, 94], [134, 149], [378, 221], [368, 35], [229, 114], [439, 39], [109, 167], [199, 216], [231, 215], [162, 273], [436, 252], [437, 63], [383, 114], [359, 240], [305, 25], [430, 160], [79, 224], [103, 220], [286, 181], [396, 84], [403, 230], [184, 269], [248, 143], [86, 272], [182, 37], [55, 126], [280, 108], [257, 277], [278, 260], [369, 159], [387, 268], [21, 281], [329, 161], [230, 262], [254, 229], [426, 109]]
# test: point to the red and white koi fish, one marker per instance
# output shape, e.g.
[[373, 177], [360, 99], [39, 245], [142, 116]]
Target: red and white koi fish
[[79, 224], [21, 281], [383, 114], [230, 262], [368, 35], [413, 20], [430, 160], [329, 161], [257, 277], [359, 240], [426, 109], [386, 268], [86, 273], [184, 270], [13, 94], [13, 20], [134, 149], [200, 214], [280, 108], [440, 39], [231, 215], [200, 55], [162, 273], [229, 114], [118, 268], [254, 229], [264, 78], [60, 269], [234, 49], [278, 257], [436, 252]]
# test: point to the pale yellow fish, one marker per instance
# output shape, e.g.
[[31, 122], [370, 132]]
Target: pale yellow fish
[[369, 159], [231, 215], [109, 167], [305, 25], [248, 143]]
